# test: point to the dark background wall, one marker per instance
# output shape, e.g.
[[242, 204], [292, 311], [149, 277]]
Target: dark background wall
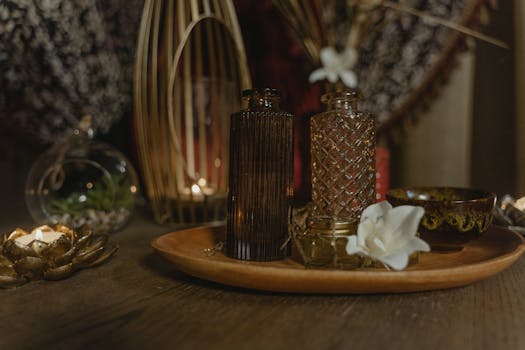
[[494, 112]]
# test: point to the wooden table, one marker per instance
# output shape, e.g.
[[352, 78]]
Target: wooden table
[[138, 301]]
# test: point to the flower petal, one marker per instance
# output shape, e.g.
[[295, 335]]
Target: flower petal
[[397, 261], [376, 211], [332, 76], [365, 229], [379, 244], [318, 74], [416, 244], [328, 56], [349, 57], [352, 246], [388, 234], [403, 221], [349, 78]]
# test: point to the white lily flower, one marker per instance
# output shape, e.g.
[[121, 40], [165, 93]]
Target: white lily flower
[[336, 66], [388, 234]]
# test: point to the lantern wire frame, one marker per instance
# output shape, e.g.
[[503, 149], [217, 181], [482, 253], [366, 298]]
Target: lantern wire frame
[[190, 55]]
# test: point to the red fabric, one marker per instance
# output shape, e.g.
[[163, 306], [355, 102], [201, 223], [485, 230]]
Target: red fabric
[[382, 172]]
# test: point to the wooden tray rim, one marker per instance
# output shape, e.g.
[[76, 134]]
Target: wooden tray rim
[[272, 277]]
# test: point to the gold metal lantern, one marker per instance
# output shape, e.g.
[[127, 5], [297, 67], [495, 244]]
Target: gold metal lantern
[[189, 71]]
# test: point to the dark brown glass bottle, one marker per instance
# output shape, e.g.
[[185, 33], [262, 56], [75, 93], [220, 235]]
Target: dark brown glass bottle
[[261, 178]]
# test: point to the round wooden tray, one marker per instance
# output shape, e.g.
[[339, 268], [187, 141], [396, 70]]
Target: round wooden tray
[[496, 250]]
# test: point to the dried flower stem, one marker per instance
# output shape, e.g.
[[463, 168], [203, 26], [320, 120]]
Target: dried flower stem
[[445, 23], [302, 18]]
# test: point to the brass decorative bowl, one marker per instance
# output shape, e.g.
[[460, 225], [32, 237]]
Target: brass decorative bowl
[[453, 216]]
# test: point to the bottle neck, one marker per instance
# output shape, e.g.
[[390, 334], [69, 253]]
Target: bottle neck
[[342, 100], [85, 128], [261, 99], [346, 105]]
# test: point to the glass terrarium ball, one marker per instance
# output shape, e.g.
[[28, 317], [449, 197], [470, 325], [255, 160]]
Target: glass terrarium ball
[[82, 181]]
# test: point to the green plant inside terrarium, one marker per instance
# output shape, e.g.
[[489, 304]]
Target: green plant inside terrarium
[[107, 194]]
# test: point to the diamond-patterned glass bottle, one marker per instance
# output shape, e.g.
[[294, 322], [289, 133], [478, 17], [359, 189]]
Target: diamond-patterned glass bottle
[[261, 178], [343, 158]]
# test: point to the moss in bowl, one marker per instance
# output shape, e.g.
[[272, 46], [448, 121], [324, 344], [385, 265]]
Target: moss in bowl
[[453, 216]]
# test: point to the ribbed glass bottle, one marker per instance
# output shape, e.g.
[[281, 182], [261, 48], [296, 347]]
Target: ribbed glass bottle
[[343, 158], [261, 178]]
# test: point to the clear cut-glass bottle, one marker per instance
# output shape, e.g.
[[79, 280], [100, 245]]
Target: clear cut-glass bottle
[[343, 158], [343, 181], [261, 178]]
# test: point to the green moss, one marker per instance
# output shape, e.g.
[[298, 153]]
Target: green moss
[[106, 195]]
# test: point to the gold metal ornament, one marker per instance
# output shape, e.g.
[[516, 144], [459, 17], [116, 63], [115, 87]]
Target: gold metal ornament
[[72, 251]]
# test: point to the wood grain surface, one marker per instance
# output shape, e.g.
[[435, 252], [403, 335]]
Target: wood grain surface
[[137, 301]]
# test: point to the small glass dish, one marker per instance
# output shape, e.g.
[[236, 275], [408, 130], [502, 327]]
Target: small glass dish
[[453, 216], [320, 242], [323, 244]]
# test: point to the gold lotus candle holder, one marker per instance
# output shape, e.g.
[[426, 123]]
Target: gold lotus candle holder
[[50, 253]]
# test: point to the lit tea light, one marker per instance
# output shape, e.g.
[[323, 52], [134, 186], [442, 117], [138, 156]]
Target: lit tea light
[[200, 189], [50, 253], [195, 189], [43, 234]]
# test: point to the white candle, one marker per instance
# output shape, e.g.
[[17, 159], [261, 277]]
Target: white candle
[[37, 234], [198, 191]]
